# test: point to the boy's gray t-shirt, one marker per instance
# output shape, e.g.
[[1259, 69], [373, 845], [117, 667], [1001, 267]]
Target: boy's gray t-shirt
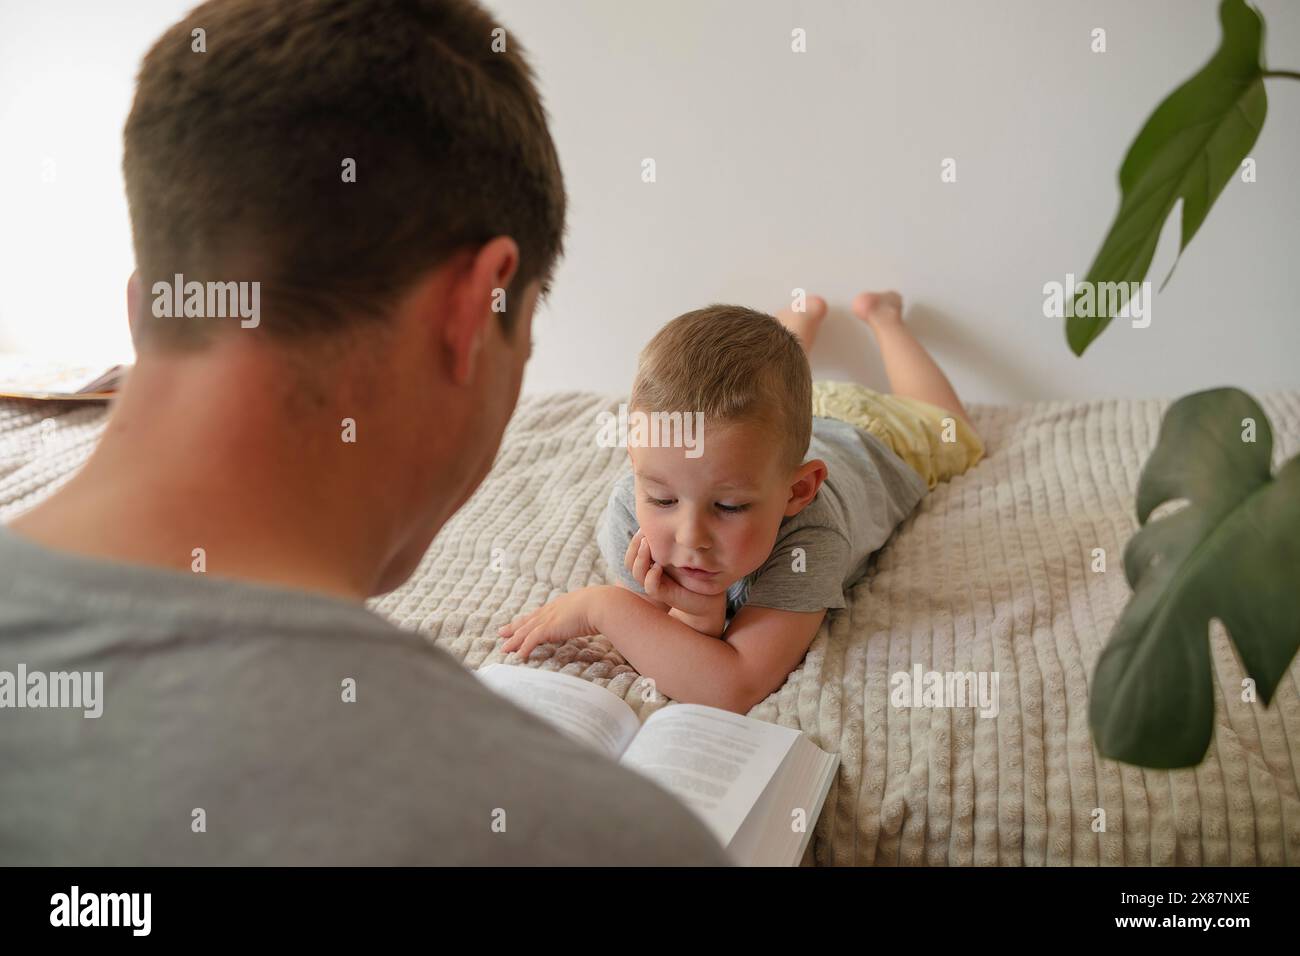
[[224, 737], [823, 550]]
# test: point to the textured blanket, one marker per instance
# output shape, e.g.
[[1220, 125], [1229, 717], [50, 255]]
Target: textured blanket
[[991, 573]]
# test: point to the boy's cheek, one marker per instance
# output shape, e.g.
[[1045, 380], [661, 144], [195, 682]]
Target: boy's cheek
[[659, 543], [754, 550]]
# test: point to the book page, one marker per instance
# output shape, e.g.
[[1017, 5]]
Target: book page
[[585, 711], [718, 763]]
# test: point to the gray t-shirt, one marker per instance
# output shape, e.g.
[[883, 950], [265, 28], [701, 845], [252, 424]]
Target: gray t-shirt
[[223, 712], [823, 550]]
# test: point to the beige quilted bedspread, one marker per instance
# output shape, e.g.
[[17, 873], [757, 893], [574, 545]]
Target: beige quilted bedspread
[[991, 573]]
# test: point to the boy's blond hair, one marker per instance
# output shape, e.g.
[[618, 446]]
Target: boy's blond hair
[[734, 365]]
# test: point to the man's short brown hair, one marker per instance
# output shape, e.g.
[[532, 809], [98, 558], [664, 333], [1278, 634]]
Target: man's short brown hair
[[234, 157], [734, 365]]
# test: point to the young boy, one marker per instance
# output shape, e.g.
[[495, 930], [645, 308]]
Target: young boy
[[755, 539]]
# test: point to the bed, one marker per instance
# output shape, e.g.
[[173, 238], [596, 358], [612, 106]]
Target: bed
[[991, 573]]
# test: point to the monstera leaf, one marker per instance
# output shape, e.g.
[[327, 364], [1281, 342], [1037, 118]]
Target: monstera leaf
[[1232, 553], [1189, 148]]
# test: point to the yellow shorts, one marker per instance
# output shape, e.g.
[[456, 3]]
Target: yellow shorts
[[935, 442]]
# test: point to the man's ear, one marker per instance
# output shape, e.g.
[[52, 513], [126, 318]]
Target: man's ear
[[484, 282], [807, 480], [134, 302]]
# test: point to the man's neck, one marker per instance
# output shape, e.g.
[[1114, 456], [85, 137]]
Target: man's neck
[[205, 455]]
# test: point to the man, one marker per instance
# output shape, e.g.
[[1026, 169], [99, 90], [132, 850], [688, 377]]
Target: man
[[331, 200]]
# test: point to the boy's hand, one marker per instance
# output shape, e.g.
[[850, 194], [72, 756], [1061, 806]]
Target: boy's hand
[[706, 613], [569, 615]]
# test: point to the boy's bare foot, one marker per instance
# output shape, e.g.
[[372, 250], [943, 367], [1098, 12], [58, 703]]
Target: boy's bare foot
[[879, 308], [805, 324]]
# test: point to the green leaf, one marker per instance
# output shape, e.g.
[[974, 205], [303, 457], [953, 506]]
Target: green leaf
[[1189, 148], [1232, 553]]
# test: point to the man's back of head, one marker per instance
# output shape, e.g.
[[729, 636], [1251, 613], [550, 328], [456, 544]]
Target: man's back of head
[[337, 150]]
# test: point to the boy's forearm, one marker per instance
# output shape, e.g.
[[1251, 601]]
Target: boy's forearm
[[653, 602], [684, 664], [703, 625], [708, 626], [698, 623]]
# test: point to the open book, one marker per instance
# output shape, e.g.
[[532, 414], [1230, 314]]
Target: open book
[[23, 376], [759, 787]]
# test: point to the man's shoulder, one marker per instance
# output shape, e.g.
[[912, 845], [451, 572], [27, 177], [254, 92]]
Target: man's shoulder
[[326, 739]]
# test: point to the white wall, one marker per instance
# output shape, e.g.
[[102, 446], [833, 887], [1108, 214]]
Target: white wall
[[775, 170], [67, 72]]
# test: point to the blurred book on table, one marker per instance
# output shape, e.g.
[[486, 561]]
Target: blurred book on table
[[42, 379]]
